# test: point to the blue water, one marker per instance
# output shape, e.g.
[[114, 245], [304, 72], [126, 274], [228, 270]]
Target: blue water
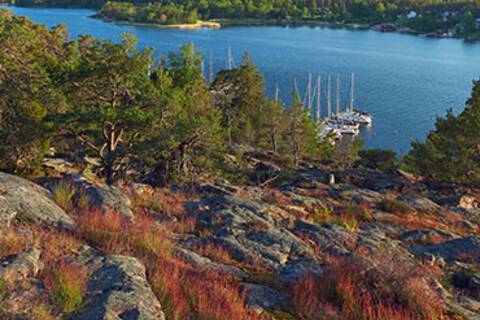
[[404, 81]]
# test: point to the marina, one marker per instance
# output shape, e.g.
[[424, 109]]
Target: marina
[[336, 124]]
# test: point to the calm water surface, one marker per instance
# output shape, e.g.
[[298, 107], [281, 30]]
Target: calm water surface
[[404, 81]]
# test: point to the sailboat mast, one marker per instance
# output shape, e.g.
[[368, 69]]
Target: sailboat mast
[[297, 93], [230, 59], [352, 93], [319, 83], [329, 97], [211, 68], [309, 102], [338, 95]]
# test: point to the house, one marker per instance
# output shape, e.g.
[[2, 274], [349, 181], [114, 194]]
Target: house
[[411, 15], [443, 33], [445, 16]]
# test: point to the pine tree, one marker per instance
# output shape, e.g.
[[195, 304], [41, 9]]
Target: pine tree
[[241, 97], [112, 102], [302, 133], [190, 140], [29, 58], [451, 152]]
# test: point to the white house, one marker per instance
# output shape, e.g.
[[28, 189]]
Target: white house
[[411, 15]]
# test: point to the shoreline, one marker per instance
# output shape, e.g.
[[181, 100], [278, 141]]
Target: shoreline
[[180, 26], [254, 22], [259, 22]]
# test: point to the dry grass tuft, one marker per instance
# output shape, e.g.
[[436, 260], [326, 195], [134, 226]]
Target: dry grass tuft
[[12, 241], [66, 283], [63, 194], [351, 291]]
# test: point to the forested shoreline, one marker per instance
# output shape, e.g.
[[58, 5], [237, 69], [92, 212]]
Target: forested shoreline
[[457, 17]]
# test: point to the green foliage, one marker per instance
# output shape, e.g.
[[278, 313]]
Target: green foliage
[[59, 3], [63, 194], [394, 206], [157, 13], [29, 56], [67, 284], [251, 118], [190, 138], [302, 133], [451, 151], [377, 159], [431, 16], [139, 117], [4, 290], [112, 101], [241, 97]]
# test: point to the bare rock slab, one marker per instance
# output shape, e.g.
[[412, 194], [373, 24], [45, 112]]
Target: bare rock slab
[[24, 265], [461, 249], [22, 198], [118, 290]]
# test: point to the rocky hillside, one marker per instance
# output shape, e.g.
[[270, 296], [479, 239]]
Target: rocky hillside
[[309, 244]]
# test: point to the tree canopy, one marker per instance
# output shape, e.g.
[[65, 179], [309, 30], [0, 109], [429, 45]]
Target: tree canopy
[[138, 116], [451, 152]]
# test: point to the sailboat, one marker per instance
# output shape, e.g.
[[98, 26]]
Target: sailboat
[[334, 123], [345, 126], [326, 132], [353, 115]]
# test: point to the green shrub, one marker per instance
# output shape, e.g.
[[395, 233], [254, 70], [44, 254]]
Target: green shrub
[[321, 214], [63, 195], [394, 206], [347, 219], [358, 212], [3, 289], [66, 283], [377, 159]]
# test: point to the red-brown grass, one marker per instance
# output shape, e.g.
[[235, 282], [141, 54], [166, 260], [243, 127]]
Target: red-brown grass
[[56, 244], [161, 200], [276, 197], [66, 283], [215, 252], [184, 292], [113, 233], [12, 241], [315, 193], [357, 294], [167, 206], [188, 293], [451, 222]]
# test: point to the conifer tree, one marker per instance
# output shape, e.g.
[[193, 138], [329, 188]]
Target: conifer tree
[[302, 133], [451, 151]]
